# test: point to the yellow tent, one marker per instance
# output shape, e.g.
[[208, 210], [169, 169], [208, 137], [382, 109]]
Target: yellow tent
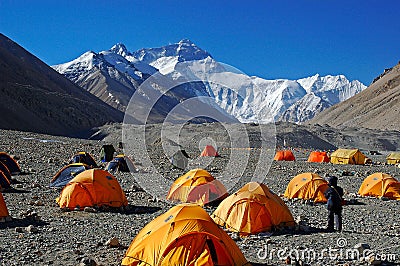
[[307, 186], [184, 235], [197, 186], [380, 185], [393, 158], [90, 188], [346, 156], [253, 209]]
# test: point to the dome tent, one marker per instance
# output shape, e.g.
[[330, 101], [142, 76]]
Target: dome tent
[[92, 188], [83, 157], [3, 208], [253, 209], [284, 155], [6, 172], [10, 163], [209, 150], [307, 186], [197, 186], [67, 173], [4, 182], [184, 235], [121, 163], [380, 185], [318, 157]]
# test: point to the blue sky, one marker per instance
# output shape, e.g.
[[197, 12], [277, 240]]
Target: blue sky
[[270, 39]]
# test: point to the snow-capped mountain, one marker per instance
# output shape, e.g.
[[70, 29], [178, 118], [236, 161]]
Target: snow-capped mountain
[[253, 99], [322, 93], [165, 58], [114, 76]]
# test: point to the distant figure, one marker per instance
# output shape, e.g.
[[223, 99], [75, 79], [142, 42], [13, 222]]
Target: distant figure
[[107, 153], [334, 195]]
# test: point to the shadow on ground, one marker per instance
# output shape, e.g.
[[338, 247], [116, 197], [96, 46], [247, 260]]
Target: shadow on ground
[[24, 222]]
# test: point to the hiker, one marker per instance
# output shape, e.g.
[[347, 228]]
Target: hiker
[[334, 196]]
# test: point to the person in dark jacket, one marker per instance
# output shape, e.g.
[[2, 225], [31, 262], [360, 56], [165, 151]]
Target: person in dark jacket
[[334, 195]]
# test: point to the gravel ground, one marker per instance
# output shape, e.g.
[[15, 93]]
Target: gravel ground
[[67, 238]]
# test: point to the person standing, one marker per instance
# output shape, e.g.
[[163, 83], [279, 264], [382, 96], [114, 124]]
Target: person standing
[[334, 196]]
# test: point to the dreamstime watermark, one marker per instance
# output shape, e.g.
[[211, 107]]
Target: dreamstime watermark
[[331, 253], [174, 99]]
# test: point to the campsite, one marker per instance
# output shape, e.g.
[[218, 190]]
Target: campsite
[[41, 233]]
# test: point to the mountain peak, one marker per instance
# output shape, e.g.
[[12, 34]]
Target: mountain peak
[[186, 41], [120, 49]]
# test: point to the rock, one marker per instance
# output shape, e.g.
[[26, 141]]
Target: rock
[[384, 198], [87, 262], [90, 209], [38, 203], [78, 252], [361, 247], [19, 186], [299, 219], [31, 229], [112, 242], [15, 157], [19, 229], [35, 185]]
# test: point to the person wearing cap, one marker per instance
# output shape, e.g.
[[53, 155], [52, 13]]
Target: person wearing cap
[[334, 196]]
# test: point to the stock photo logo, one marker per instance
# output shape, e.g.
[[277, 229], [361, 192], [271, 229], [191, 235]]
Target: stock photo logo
[[165, 118], [341, 250]]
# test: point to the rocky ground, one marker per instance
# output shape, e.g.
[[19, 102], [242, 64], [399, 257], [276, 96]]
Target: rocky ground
[[42, 234]]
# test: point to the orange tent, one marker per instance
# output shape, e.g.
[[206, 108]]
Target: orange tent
[[184, 235], [209, 151], [380, 185], [6, 172], [197, 186], [10, 163], [4, 182], [318, 157], [3, 207], [307, 186], [285, 155], [253, 209], [90, 188]]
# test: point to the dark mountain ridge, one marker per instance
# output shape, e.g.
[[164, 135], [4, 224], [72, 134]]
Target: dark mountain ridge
[[36, 98]]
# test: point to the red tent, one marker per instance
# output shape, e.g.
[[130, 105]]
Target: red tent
[[209, 151], [285, 155], [318, 157]]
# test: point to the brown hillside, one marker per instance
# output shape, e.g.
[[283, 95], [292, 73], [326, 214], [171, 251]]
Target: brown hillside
[[36, 98], [377, 107]]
